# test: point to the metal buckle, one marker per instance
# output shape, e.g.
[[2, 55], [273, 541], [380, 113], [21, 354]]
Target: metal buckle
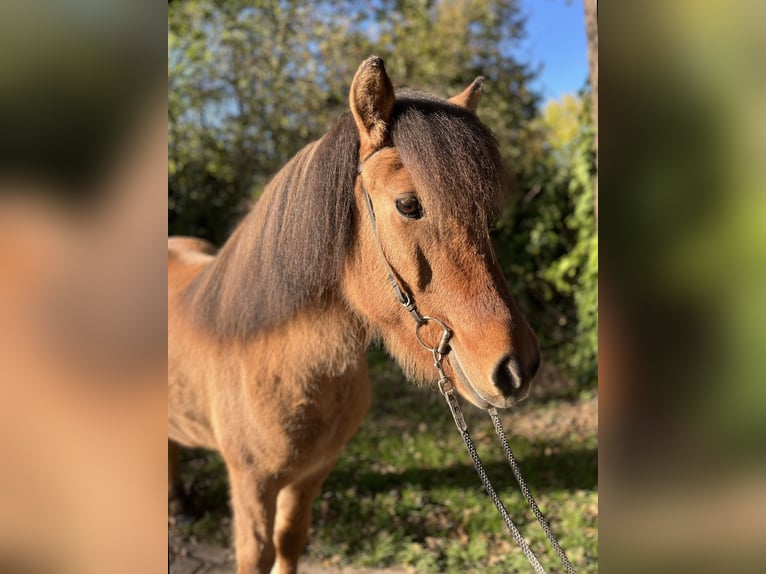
[[445, 386], [441, 348]]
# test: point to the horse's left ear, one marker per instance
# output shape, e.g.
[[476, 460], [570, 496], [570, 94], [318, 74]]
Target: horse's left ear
[[372, 103], [469, 98]]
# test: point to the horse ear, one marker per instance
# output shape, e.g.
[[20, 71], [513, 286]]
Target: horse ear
[[469, 98], [372, 103]]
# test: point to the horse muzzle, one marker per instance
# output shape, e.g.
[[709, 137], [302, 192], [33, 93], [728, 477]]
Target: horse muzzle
[[510, 382]]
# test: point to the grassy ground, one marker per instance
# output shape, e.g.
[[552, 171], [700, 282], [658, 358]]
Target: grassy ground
[[404, 491]]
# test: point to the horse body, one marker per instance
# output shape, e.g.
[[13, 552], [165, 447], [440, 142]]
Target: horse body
[[266, 338], [269, 405]]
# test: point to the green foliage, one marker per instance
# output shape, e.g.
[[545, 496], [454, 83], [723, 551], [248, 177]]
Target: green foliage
[[405, 492], [241, 102], [250, 83], [547, 239]]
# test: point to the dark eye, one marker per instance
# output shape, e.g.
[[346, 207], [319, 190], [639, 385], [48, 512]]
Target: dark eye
[[409, 206]]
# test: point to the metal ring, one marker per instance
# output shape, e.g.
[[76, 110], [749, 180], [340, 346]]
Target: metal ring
[[426, 319]]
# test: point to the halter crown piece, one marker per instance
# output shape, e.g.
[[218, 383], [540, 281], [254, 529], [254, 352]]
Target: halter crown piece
[[447, 389]]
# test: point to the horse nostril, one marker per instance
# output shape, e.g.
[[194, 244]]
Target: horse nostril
[[512, 377], [506, 376]]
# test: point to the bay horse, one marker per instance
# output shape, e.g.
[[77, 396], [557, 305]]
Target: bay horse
[[267, 338]]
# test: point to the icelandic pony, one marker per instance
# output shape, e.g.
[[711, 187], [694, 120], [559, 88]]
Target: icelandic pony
[[267, 338]]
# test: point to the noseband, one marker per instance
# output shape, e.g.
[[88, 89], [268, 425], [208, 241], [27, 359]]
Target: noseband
[[447, 389]]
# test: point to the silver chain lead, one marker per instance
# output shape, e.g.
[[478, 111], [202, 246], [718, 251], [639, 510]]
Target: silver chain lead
[[448, 390], [527, 494]]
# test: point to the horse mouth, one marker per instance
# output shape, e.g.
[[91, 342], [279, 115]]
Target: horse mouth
[[476, 397]]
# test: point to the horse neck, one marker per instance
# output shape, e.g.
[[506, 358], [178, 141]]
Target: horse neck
[[320, 342]]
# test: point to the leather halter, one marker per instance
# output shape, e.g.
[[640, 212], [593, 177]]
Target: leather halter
[[402, 295]]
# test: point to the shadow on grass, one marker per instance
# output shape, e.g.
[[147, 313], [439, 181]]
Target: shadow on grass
[[568, 470]]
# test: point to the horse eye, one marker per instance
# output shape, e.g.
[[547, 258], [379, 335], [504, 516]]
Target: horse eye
[[409, 206]]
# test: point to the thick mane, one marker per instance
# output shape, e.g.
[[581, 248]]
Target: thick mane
[[289, 251]]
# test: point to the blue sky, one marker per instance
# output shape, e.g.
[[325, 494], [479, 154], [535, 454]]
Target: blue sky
[[556, 39]]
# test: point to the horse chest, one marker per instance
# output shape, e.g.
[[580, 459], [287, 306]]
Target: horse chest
[[294, 427], [319, 412]]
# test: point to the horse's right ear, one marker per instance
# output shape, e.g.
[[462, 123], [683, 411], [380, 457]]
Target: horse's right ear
[[372, 103], [469, 98]]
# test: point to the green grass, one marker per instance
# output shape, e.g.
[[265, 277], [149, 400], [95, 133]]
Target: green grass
[[404, 491]]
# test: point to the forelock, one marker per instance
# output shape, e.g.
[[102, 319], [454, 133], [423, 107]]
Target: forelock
[[452, 157]]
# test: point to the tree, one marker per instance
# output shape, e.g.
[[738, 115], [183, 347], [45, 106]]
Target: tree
[[250, 83], [591, 28]]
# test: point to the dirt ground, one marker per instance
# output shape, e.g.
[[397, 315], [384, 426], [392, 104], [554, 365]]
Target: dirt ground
[[199, 558]]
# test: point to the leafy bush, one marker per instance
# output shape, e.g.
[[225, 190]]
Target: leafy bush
[[547, 240]]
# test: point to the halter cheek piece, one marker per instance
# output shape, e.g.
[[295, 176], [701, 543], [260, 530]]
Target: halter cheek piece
[[402, 295], [447, 389]]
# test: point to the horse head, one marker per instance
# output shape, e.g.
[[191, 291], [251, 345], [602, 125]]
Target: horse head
[[433, 175]]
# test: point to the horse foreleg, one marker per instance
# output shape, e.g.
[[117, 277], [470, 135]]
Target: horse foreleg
[[293, 520], [253, 501]]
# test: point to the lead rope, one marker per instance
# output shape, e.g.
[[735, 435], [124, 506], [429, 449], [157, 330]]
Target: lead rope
[[527, 494], [447, 389]]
